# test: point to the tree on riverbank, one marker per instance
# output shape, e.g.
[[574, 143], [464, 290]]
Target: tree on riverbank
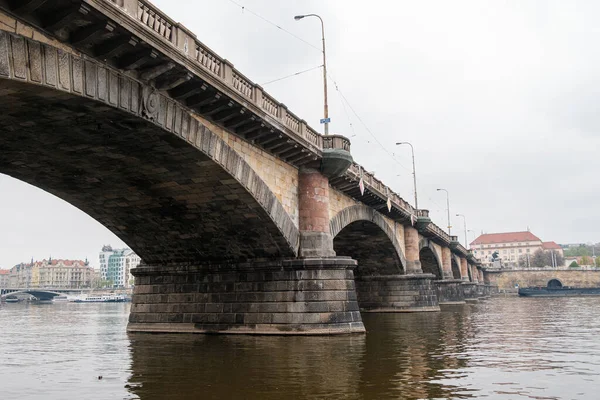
[[586, 260], [541, 259], [581, 250]]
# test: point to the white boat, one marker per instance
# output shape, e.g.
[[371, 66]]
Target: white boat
[[102, 299]]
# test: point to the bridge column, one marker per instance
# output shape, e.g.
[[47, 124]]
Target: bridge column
[[313, 210], [449, 290], [474, 273], [447, 263], [484, 289], [464, 269], [469, 286], [411, 245], [285, 297]]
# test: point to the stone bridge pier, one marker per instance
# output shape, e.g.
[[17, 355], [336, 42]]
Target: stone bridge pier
[[313, 293]]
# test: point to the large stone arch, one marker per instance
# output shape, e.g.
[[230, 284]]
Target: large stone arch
[[369, 239], [133, 159], [455, 265], [430, 260], [456, 268]]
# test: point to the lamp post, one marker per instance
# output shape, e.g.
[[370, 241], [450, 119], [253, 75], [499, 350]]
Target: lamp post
[[448, 207], [412, 150], [326, 108], [465, 226]]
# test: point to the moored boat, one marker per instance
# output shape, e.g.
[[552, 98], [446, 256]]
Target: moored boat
[[102, 299], [564, 291]]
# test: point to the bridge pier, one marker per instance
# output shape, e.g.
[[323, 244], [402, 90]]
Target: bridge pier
[[470, 292], [313, 213], [397, 293], [450, 292], [411, 244], [286, 297]]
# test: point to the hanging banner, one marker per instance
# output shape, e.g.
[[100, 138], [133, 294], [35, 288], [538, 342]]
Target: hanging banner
[[361, 186], [389, 204]]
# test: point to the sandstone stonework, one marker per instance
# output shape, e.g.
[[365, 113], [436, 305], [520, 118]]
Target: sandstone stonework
[[312, 296], [507, 279], [397, 293], [216, 185]]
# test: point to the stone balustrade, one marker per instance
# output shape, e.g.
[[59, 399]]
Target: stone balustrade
[[184, 41], [336, 142]]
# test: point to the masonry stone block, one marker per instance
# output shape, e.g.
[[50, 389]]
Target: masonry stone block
[[295, 296], [398, 293], [450, 291]]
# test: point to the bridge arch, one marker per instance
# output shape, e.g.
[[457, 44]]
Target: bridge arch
[[554, 283], [363, 234], [138, 162], [455, 264], [38, 293], [430, 260]]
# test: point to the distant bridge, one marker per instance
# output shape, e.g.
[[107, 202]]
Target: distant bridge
[[507, 278], [39, 293]]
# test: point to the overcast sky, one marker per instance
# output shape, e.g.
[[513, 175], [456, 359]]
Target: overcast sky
[[499, 99]]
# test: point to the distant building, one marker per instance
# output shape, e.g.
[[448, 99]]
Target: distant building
[[510, 246], [52, 274], [116, 265], [4, 278], [553, 246]]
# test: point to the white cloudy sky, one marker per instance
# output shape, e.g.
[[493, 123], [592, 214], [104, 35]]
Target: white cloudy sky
[[499, 99]]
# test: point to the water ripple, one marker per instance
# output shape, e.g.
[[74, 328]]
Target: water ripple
[[505, 348]]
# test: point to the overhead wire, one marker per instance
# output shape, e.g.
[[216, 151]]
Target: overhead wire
[[392, 155], [345, 110], [344, 99], [290, 76], [244, 8]]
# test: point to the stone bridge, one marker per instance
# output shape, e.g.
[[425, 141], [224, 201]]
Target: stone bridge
[[40, 294], [247, 219], [506, 279]]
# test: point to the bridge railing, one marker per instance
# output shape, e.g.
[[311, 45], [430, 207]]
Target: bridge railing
[[356, 171], [440, 232], [159, 24], [336, 142]]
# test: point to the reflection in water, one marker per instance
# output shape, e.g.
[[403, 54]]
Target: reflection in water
[[249, 367], [505, 348]]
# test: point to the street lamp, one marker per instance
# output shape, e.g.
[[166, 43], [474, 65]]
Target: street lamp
[[326, 108], [448, 207], [465, 226], [414, 171]]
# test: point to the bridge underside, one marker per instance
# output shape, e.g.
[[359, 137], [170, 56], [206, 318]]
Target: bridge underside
[[366, 243], [381, 284], [166, 199], [430, 263]]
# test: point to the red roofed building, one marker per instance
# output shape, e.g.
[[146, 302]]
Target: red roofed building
[[551, 246], [510, 246]]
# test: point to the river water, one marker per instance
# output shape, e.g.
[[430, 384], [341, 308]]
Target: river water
[[503, 348]]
